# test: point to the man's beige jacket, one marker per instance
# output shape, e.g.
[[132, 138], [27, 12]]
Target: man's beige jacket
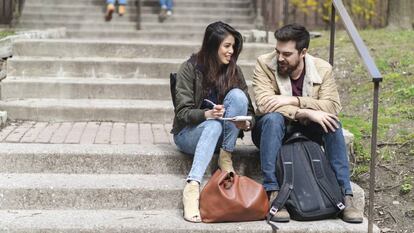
[[319, 90]]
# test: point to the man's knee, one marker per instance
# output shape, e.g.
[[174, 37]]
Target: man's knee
[[273, 119]]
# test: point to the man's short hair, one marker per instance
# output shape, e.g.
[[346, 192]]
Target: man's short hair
[[294, 32]]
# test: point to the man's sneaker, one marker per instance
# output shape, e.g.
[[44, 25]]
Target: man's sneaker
[[163, 14], [281, 215], [121, 10], [110, 8], [350, 213], [169, 13]]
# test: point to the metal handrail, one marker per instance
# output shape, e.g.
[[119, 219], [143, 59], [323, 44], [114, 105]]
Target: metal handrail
[[138, 4], [337, 5]]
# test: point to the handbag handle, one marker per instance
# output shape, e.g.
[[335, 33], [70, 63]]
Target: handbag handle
[[228, 180]]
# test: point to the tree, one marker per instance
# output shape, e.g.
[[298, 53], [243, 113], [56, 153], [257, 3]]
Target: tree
[[400, 14]]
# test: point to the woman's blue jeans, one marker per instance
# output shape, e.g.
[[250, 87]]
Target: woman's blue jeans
[[203, 139], [166, 4], [120, 2], [268, 135]]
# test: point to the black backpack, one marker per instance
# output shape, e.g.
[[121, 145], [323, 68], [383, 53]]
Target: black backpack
[[309, 188]]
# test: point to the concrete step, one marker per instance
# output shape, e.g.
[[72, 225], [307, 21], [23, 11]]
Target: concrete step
[[81, 11], [58, 110], [83, 25], [122, 49], [192, 26], [167, 221], [110, 159], [97, 191], [90, 191], [194, 3], [88, 88], [56, 16], [128, 35], [193, 11], [119, 26], [202, 18], [145, 18], [85, 88], [101, 67], [51, 4]]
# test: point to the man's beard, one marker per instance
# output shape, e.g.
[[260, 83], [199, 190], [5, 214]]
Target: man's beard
[[284, 69]]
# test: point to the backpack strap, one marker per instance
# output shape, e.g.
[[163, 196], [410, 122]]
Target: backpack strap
[[287, 185], [313, 153]]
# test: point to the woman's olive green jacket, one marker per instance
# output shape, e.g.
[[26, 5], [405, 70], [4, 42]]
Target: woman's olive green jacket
[[189, 96]]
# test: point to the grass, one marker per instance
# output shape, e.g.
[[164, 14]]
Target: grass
[[393, 53], [5, 34]]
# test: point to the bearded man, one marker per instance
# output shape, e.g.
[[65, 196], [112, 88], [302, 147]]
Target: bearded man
[[296, 90]]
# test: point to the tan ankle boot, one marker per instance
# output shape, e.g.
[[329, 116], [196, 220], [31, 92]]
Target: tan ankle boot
[[224, 162], [281, 215], [121, 10], [191, 196], [351, 214], [110, 8]]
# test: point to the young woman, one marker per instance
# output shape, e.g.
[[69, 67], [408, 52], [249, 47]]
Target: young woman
[[210, 86]]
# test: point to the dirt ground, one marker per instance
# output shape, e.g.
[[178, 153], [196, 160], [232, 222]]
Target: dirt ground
[[393, 210]]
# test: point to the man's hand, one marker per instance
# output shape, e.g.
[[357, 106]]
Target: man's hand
[[328, 121], [277, 101], [216, 112], [244, 125]]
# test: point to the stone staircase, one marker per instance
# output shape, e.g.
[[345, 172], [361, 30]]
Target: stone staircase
[[106, 78]]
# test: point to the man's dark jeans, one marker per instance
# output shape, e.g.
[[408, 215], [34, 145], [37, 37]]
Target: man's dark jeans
[[268, 135]]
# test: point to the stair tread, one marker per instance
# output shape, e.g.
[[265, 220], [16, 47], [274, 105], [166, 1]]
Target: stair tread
[[91, 181], [109, 59], [87, 80], [152, 221], [90, 103], [144, 15], [130, 42]]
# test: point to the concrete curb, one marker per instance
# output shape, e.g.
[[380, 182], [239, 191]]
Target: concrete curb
[[3, 119], [7, 42], [167, 221]]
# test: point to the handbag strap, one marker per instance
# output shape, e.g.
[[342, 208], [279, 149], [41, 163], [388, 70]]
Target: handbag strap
[[287, 185]]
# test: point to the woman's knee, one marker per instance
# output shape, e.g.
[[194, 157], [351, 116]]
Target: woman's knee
[[212, 128], [236, 95], [236, 100]]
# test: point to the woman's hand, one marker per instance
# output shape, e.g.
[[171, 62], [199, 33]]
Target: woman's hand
[[244, 125], [216, 112]]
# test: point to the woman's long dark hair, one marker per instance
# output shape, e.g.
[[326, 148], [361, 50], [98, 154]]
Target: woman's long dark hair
[[222, 77]]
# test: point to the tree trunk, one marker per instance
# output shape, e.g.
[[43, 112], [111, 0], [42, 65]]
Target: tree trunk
[[399, 14]]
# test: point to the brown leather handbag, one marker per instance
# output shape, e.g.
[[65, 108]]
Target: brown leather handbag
[[228, 197]]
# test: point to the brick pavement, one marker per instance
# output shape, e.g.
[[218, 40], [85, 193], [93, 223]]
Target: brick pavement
[[115, 133]]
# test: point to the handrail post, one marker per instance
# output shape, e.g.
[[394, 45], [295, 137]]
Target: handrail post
[[376, 78], [138, 5], [332, 39], [373, 155], [286, 12]]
